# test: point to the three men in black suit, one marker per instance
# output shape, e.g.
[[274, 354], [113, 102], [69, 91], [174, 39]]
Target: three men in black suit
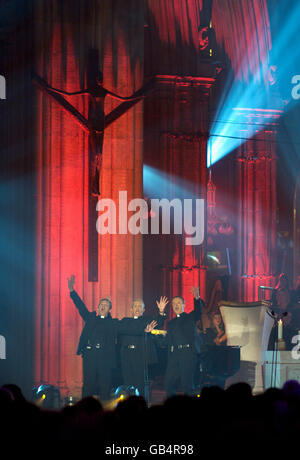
[[97, 344]]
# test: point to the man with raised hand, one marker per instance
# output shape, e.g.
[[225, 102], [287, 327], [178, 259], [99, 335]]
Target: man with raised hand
[[137, 349], [97, 345], [182, 352]]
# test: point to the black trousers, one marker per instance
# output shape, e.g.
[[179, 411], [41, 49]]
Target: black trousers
[[97, 373], [133, 368], [180, 369]]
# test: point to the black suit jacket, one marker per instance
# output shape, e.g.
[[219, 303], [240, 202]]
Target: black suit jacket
[[181, 330], [132, 333], [97, 331], [106, 331]]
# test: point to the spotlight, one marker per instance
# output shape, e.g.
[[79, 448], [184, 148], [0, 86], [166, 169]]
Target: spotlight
[[47, 396], [121, 393], [124, 391]]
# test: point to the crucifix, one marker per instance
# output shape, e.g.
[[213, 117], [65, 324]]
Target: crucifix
[[95, 125]]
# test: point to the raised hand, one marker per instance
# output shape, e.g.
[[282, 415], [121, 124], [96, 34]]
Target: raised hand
[[151, 326], [162, 303], [195, 291], [71, 283]]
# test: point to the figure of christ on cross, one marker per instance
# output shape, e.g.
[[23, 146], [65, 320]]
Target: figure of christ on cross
[[94, 125]]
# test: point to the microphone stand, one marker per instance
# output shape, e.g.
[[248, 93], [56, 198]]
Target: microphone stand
[[276, 318], [146, 372]]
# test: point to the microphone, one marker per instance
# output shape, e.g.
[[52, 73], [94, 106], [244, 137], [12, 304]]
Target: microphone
[[277, 316]]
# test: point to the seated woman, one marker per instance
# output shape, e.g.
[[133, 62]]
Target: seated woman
[[215, 335]]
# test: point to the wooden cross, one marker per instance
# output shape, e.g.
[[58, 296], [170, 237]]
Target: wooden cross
[[95, 126]]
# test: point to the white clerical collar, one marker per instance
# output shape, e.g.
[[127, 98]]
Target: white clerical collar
[[102, 317], [135, 317], [178, 316]]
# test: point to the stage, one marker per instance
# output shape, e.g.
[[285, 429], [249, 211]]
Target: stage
[[150, 150]]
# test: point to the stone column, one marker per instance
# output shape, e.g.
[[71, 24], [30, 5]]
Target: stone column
[[116, 30], [175, 145], [257, 202]]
